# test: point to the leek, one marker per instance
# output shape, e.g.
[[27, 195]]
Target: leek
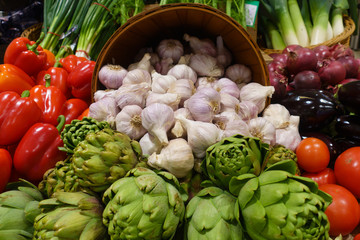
[[305, 12], [320, 10], [339, 7], [353, 12], [298, 22], [329, 31], [273, 35]]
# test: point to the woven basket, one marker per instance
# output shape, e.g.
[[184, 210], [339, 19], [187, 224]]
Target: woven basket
[[343, 38], [32, 32]]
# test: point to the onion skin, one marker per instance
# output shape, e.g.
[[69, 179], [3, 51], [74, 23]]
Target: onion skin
[[322, 52], [307, 80], [351, 66], [279, 82], [291, 48], [301, 59], [331, 72], [339, 50]]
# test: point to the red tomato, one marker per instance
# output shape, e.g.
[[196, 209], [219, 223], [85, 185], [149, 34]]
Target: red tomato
[[347, 170], [313, 155], [344, 211], [326, 176], [5, 168]]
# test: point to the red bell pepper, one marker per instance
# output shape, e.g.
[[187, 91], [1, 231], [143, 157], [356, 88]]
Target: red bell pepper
[[84, 114], [50, 100], [5, 168], [26, 54], [38, 150], [13, 78], [79, 80], [17, 115], [73, 108], [58, 78], [50, 59], [70, 62]]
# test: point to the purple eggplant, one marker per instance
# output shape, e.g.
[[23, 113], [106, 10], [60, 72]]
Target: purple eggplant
[[316, 108], [348, 95], [348, 126]]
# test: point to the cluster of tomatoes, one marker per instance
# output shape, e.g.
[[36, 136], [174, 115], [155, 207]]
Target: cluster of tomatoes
[[341, 182]]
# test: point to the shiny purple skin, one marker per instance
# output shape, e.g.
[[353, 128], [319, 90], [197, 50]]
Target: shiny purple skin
[[279, 82], [307, 80], [301, 59], [322, 52], [351, 65], [348, 126], [349, 95], [331, 72]]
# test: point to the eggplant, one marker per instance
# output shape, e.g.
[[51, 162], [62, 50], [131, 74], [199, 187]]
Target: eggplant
[[316, 108], [348, 95], [348, 126]]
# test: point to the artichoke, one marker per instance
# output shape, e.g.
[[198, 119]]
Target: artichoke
[[280, 153], [18, 209], [77, 130], [233, 156], [144, 205], [210, 215], [280, 205], [104, 157], [70, 216]]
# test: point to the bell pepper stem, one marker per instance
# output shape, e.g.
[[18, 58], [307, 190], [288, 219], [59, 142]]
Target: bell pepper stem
[[36, 44], [47, 80], [25, 93], [57, 64], [61, 120]]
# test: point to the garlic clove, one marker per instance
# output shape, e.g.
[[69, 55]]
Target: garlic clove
[[263, 129], [99, 94], [247, 110], [128, 121], [239, 73], [224, 56], [206, 66], [202, 46], [170, 48], [178, 131], [132, 94], [104, 110], [206, 82], [288, 137], [229, 103], [149, 144], [170, 99], [225, 85], [143, 64], [278, 115], [184, 88], [164, 65], [137, 76], [161, 83], [182, 71], [257, 94]]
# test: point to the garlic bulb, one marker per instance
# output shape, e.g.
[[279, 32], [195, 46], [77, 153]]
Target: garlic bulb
[[200, 135], [164, 65], [133, 94], [236, 127], [225, 85], [257, 94], [203, 46], [137, 76], [161, 83], [206, 66], [170, 99], [288, 137], [182, 71], [206, 82], [278, 115], [170, 48], [99, 94], [128, 121], [223, 57], [176, 157], [178, 131], [263, 129], [184, 88], [247, 110], [144, 64], [157, 119], [104, 110], [239, 73], [149, 144], [185, 59], [111, 76], [229, 103], [204, 104]]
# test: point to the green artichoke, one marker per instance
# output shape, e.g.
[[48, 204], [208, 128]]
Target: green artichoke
[[280, 153], [104, 157], [233, 156], [210, 215], [280, 205], [144, 205], [18, 209], [77, 130], [70, 216]]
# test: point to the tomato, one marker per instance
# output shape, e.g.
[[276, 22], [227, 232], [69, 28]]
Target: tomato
[[347, 170], [5, 168], [344, 211], [326, 176], [313, 155]]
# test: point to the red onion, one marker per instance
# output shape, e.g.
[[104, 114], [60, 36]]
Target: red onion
[[301, 59], [277, 67], [336, 88], [351, 66], [307, 80], [291, 48], [339, 50], [279, 82], [322, 52], [331, 72]]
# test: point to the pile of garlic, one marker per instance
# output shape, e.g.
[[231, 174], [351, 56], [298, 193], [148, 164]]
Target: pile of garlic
[[177, 105]]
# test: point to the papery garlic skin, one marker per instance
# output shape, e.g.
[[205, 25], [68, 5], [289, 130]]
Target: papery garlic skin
[[206, 66], [182, 71], [185, 59], [149, 144], [229, 103], [176, 157], [204, 104], [164, 65], [239, 73], [157, 119], [143, 64], [178, 130], [170, 99], [137, 76], [170, 48], [184, 88], [99, 94], [278, 115], [132, 94], [288, 137], [161, 83], [231, 124], [206, 82], [224, 56], [263, 129], [104, 110], [111, 76], [225, 85], [247, 110], [257, 94], [202, 46], [200, 135], [128, 121]]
